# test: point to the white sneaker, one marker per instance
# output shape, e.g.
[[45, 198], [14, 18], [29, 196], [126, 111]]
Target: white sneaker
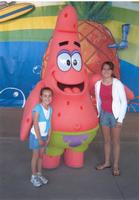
[[42, 179], [35, 181]]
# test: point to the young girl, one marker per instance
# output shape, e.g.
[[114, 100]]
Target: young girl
[[40, 135], [111, 106]]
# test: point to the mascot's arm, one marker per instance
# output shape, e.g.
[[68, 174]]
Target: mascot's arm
[[129, 93], [32, 100], [94, 78]]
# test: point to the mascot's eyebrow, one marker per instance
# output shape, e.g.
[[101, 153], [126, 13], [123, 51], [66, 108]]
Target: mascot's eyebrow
[[63, 43], [77, 43]]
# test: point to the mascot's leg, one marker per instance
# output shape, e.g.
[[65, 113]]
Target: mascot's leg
[[52, 157], [73, 158], [50, 162]]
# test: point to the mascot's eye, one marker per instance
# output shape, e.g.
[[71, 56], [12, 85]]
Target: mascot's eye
[[76, 61], [64, 61], [68, 62]]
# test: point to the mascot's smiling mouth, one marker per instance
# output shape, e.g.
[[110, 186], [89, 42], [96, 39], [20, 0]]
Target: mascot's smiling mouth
[[76, 88]]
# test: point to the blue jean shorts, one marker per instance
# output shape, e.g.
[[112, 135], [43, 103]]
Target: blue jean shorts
[[107, 119], [34, 143]]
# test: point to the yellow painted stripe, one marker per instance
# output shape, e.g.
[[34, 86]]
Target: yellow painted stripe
[[129, 54], [116, 29], [47, 22]]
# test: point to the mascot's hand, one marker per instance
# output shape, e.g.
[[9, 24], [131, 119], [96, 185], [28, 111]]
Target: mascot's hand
[[129, 93]]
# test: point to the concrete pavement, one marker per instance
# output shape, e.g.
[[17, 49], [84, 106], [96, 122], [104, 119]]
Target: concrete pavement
[[67, 183]]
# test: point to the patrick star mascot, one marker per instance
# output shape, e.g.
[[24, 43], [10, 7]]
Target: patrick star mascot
[[74, 118]]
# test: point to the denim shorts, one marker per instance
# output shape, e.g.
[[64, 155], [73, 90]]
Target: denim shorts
[[34, 143], [107, 119]]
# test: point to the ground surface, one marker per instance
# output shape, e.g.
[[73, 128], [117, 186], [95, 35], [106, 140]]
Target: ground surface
[[67, 183]]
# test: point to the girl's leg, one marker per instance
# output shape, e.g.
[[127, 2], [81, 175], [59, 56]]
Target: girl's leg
[[42, 178], [116, 146], [34, 164], [34, 161], [39, 166], [107, 148], [107, 144]]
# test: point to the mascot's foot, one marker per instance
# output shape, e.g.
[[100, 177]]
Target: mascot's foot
[[50, 162], [73, 158]]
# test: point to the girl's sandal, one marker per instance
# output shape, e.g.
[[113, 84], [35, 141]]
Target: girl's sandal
[[116, 172], [102, 167]]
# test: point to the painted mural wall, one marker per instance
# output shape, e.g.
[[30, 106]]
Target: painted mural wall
[[127, 12], [24, 40]]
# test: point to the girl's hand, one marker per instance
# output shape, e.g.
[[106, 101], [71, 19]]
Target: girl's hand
[[41, 142], [118, 125], [47, 142]]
